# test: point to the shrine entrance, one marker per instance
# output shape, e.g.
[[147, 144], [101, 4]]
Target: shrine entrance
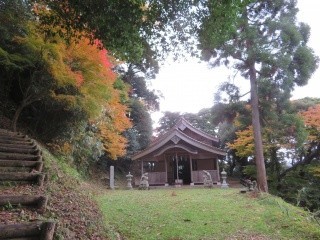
[[179, 169]]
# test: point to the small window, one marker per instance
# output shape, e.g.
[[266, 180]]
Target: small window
[[149, 166]]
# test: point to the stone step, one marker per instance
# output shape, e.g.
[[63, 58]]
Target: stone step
[[37, 165], [37, 178], [14, 137], [18, 169], [32, 230], [39, 202], [20, 142], [19, 150], [19, 156], [20, 146], [10, 133], [15, 169]]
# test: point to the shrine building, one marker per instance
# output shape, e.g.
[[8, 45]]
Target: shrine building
[[180, 155]]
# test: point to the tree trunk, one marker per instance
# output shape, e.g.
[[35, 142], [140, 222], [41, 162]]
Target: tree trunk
[[26, 101], [259, 159], [16, 116]]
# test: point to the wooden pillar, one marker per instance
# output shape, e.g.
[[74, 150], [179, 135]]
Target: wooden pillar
[[191, 183], [217, 164], [166, 169], [141, 167], [177, 163]]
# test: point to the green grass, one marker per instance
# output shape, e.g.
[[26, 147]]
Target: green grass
[[202, 214]]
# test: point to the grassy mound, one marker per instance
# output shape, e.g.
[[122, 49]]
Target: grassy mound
[[203, 214]]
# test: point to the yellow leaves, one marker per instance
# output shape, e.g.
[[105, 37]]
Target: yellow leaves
[[111, 129], [112, 125], [244, 143]]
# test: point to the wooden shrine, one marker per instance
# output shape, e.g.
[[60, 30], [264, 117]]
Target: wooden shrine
[[180, 155]]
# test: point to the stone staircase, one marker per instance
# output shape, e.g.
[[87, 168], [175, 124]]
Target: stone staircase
[[21, 165]]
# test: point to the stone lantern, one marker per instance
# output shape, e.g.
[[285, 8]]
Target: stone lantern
[[129, 179], [224, 178]]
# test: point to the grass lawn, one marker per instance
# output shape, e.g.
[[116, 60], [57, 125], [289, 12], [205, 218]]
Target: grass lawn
[[201, 213]]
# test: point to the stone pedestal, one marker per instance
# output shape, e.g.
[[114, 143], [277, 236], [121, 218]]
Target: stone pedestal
[[178, 182]]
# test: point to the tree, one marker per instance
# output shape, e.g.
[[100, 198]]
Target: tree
[[299, 183], [265, 44], [128, 29], [137, 78], [167, 121], [142, 122], [311, 149]]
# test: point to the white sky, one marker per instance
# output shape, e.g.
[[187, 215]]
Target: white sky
[[190, 86]]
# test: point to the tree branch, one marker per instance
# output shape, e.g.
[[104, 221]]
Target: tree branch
[[307, 160]]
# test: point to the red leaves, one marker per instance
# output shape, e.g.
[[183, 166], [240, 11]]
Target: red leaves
[[311, 118]]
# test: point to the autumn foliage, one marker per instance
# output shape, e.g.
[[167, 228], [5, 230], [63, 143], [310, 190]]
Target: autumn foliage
[[83, 83], [243, 144], [92, 73], [311, 118]]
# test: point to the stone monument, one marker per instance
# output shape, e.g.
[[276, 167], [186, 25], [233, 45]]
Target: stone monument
[[112, 177]]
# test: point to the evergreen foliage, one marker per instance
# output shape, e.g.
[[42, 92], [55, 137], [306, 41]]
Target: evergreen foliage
[[268, 47]]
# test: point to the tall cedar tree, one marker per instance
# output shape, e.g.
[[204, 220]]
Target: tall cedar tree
[[267, 43]]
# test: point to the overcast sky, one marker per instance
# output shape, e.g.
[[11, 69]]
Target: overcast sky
[[190, 86]]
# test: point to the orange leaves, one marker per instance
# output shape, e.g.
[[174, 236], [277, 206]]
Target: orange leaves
[[88, 69], [97, 87], [79, 78], [90, 60], [83, 83], [311, 118], [111, 127]]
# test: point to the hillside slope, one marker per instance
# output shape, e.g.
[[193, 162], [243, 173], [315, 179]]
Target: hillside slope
[[70, 203]]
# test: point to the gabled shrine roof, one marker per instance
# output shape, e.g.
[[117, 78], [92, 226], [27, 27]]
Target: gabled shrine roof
[[177, 137]]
